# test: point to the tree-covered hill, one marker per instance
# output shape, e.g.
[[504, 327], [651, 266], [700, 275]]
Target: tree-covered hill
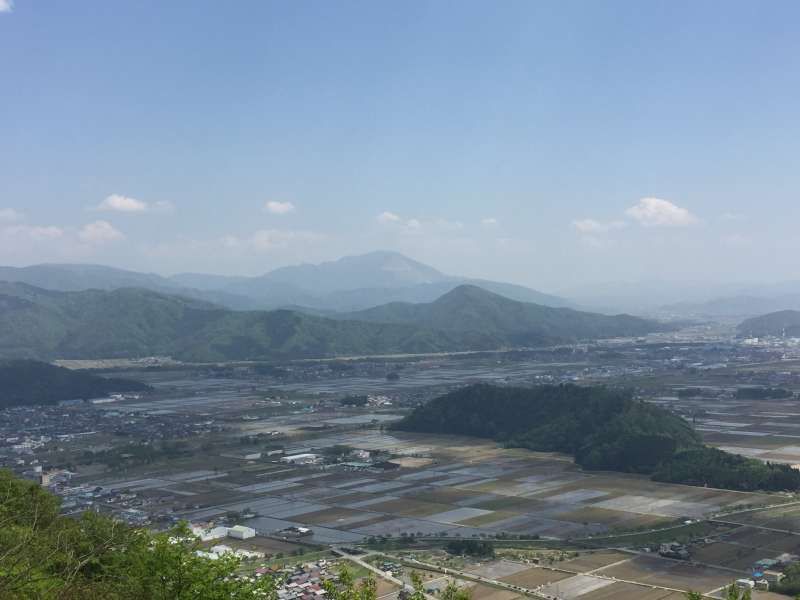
[[132, 322], [469, 308], [602, 428], [30, 382], [784, 322]]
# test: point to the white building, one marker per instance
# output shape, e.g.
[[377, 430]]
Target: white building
[[240, 532], [301, 459], [206, 534]]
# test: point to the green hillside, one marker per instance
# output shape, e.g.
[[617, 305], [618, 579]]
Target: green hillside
[[30, 382], [469, 308], [132, 322], [602, 428], [784, 322]]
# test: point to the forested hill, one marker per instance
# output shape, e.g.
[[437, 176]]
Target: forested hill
[[602, 428], [784, 322], [30, 382], [132, 322], [469, 308]]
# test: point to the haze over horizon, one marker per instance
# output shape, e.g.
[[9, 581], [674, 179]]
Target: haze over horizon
[[546, 145]]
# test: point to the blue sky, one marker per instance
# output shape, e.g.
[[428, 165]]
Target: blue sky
[[547, 143]]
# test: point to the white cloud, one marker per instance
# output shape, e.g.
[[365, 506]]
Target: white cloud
[[655, 212], [587, 226], [9, 215], [34, 233], [6, 6], [489, 222], [119, 203], [388, 217], [265, 240], [415, 226], [279, 208], [126, 204], [99, 232]]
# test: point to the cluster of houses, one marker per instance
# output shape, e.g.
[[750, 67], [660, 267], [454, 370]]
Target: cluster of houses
[[306, 582]]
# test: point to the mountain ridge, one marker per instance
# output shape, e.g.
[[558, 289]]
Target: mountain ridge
[[779, 323], [134, 322], [347, 284], [472, 308]]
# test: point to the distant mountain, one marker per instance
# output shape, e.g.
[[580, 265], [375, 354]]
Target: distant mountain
[[78, 277], [735, 306], [372, 270], [73, 278], [132, 322], [348, 284], [781, 323], [469, 308], [354, 283], [30, 382]]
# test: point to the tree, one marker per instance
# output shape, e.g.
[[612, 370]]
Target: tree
[[690, 595], [44, 555], [419, 587], [346, 588], [453, 592]]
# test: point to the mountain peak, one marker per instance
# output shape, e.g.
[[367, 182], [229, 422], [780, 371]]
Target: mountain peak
[[380, 269]]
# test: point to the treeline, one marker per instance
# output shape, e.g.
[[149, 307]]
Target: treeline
[[603, 428], [763, 393], [135, 454], [467, 547], [354, 400], [713, 467], [30, 382], [790, 584]]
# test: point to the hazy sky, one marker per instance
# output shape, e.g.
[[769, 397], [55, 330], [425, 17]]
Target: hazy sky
[[547, 143]]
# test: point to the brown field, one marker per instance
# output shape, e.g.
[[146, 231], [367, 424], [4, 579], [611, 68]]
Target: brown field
[[787, 518], [606, 516], [593, 560], [445, 495], [487, 519], [384, 588], [329, 515], [628, 591], [516, 504], [534, 577], [733, 556], [377, 519], [407, 507], [673, 574], [349, 497], [412, 462], [487, 592]]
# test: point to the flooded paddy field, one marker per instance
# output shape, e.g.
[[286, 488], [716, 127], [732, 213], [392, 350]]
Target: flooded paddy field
[[470, 487]]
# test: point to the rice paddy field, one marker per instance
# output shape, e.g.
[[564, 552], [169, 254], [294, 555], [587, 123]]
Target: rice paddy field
[[454, 487]]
